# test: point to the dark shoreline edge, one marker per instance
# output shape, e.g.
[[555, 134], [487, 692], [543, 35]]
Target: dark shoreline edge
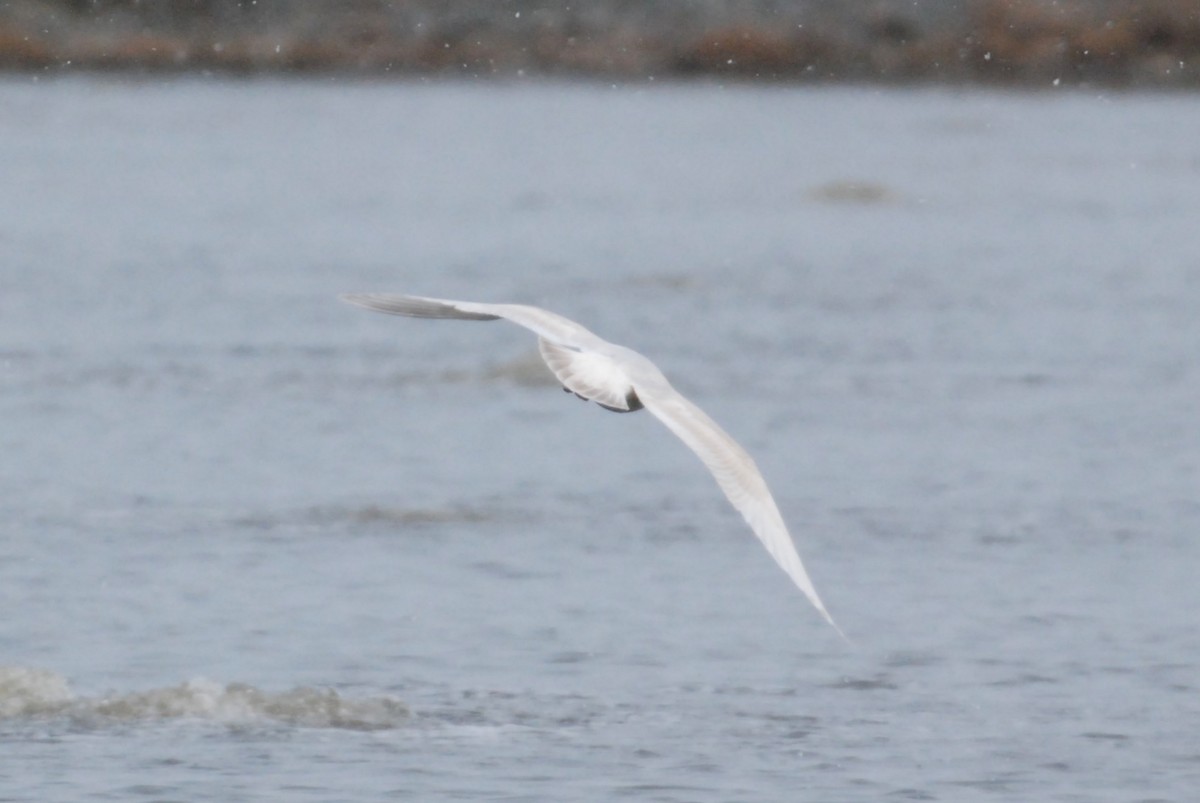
[[1111, 43]]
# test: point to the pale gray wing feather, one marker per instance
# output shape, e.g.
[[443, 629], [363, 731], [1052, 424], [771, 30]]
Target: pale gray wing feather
[[416, 307], [541, 322], [737, 475]]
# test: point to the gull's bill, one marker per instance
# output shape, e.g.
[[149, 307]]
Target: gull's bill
[[624, 381]]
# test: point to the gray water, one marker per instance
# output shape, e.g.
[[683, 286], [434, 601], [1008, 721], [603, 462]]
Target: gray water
[[259, 545]]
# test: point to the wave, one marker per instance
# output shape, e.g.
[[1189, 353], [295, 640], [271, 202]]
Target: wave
[[39, 694], [333, 516]]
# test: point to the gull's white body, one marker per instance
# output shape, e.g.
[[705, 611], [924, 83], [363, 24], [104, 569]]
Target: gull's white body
[[623, 380]]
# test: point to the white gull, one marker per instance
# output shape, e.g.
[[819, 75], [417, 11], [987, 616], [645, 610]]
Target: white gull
[[621, 380]]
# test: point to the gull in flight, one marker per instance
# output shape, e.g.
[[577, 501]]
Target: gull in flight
[[621, 380]]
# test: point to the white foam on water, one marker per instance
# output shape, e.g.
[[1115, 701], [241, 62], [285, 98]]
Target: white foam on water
[[27, 693]]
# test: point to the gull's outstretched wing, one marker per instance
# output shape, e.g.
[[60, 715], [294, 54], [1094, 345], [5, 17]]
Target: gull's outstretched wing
[[738, 476], [417, 307], [541, 322], [584, 363]]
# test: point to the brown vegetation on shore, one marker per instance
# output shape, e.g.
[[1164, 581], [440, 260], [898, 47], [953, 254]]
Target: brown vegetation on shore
[[1039, 42]]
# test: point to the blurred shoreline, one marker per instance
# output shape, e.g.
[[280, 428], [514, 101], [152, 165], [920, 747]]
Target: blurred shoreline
[[1119, 43]]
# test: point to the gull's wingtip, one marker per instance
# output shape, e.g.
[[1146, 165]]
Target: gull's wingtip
[[820, 606], [391, 303], [419, 306], [834, 625], [357, 299]]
